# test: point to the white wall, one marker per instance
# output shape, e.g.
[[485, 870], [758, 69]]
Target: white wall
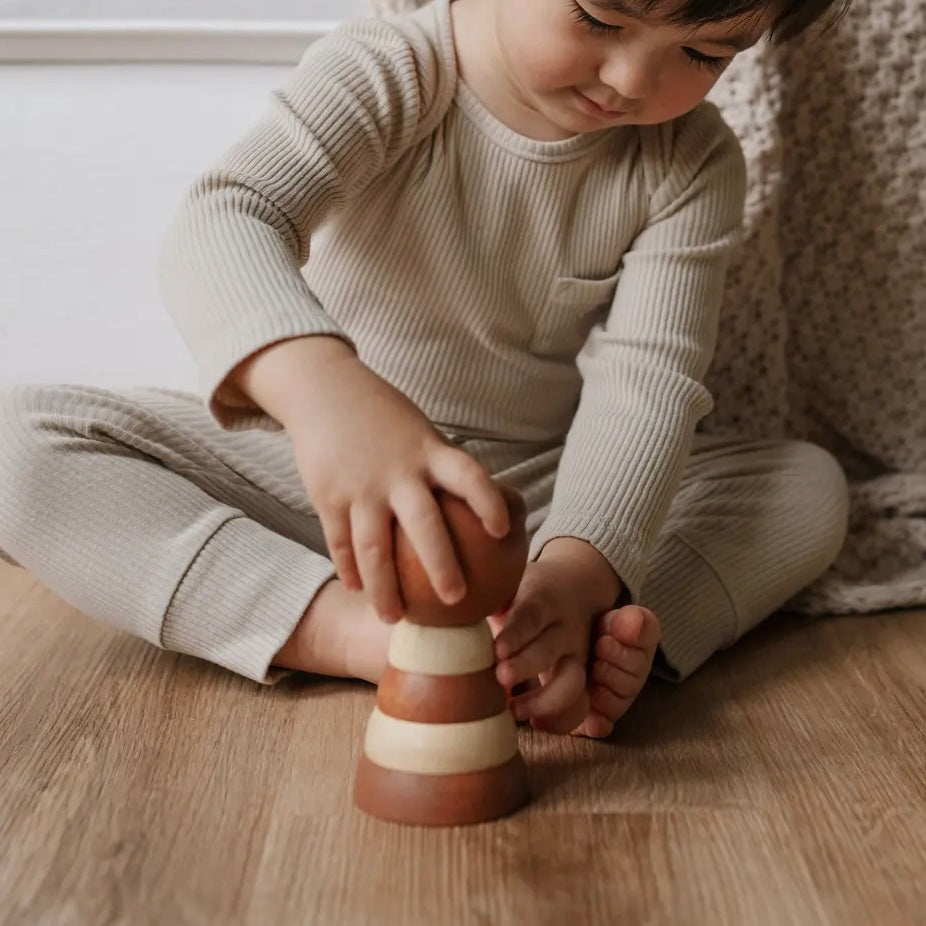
[[93, 162], [182, 9], [96, 157]]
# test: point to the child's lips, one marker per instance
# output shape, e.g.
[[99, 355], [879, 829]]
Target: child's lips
[[596, 109]]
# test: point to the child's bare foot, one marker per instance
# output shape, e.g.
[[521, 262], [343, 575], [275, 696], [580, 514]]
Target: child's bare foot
[[339, 635], [622, 656]]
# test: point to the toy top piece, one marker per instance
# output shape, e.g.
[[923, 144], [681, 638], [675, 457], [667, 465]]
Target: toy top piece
[[491, 567]]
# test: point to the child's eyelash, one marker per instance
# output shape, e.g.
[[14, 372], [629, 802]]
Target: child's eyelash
[[695, 58], [582, 16], [706, 61]]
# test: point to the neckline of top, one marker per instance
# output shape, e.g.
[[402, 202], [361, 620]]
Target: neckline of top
[[490, 125]]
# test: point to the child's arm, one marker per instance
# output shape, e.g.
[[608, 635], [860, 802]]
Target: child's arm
[[363, 451], [643, 367], [229, 266], [229, 276]]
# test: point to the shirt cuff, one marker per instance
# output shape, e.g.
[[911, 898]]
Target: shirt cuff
[[624, 555]]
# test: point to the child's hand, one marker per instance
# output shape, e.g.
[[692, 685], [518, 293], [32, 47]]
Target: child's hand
[[546, 634], [366, 452]]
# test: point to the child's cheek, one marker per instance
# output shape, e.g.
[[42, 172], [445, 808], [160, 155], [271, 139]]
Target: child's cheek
[[554, 69], [545, 62], [681, 96]]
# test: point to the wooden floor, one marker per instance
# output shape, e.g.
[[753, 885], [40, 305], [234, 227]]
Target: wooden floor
[[783, 784]]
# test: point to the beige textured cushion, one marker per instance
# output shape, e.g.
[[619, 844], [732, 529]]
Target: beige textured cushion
[[824, 334]]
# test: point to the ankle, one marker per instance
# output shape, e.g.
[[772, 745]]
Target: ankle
[[306, 649]]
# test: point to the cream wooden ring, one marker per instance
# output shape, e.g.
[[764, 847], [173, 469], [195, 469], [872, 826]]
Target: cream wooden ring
[[440, 748], [441, 650]]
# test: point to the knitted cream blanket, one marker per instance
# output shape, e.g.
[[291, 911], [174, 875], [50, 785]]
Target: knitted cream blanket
[[824, 331]]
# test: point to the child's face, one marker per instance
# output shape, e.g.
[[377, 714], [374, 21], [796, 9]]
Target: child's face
[[565, 56]]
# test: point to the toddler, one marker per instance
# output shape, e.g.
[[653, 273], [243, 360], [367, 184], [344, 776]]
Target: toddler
[[477, 241]]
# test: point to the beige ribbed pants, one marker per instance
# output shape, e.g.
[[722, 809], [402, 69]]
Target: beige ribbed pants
[[136, 508]]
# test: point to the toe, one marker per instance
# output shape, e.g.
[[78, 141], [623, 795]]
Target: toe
[[624, 682], [622, 658], [595, 725], [631, 625], [625, 624], [635, 662], [610, 705]]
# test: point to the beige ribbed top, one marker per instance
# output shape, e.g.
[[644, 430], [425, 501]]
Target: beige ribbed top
[[521, 290]]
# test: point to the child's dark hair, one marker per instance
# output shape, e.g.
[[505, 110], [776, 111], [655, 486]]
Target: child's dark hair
[[792, 16]]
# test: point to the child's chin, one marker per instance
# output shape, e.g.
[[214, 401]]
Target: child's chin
[[570, 123]]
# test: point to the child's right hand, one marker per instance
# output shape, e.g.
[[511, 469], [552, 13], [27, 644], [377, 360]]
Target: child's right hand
[[365, 452]]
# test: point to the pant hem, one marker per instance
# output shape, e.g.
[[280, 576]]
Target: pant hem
[[242, 597]]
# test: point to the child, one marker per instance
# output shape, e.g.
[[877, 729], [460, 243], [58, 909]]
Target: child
[[484, 240]]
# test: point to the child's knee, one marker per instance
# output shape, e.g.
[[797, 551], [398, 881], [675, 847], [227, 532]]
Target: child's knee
[[29, 412], [825, 500], [30, 429], [20, 407]]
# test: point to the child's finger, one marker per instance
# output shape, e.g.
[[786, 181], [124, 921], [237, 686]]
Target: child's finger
[[336, 529], [371, 527], [464, 476], [524, 624], [420, 515], [536, 657], [505, 608], [561, 704], [496, 625]]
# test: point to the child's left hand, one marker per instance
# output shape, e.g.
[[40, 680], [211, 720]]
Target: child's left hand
[[546, 634]]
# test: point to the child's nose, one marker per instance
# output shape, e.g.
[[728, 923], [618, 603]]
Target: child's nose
[[632, 76]]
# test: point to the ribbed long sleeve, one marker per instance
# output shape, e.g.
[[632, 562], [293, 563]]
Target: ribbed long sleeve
[[539, 292], [642, 367], [229, 268]]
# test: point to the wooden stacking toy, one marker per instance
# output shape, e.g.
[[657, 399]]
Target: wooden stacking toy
[[441, 745]]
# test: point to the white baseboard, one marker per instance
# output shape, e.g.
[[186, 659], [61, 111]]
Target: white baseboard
[[252, 42]]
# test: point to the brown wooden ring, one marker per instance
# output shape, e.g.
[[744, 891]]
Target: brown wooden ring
[[441, 800], [440, 698]]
